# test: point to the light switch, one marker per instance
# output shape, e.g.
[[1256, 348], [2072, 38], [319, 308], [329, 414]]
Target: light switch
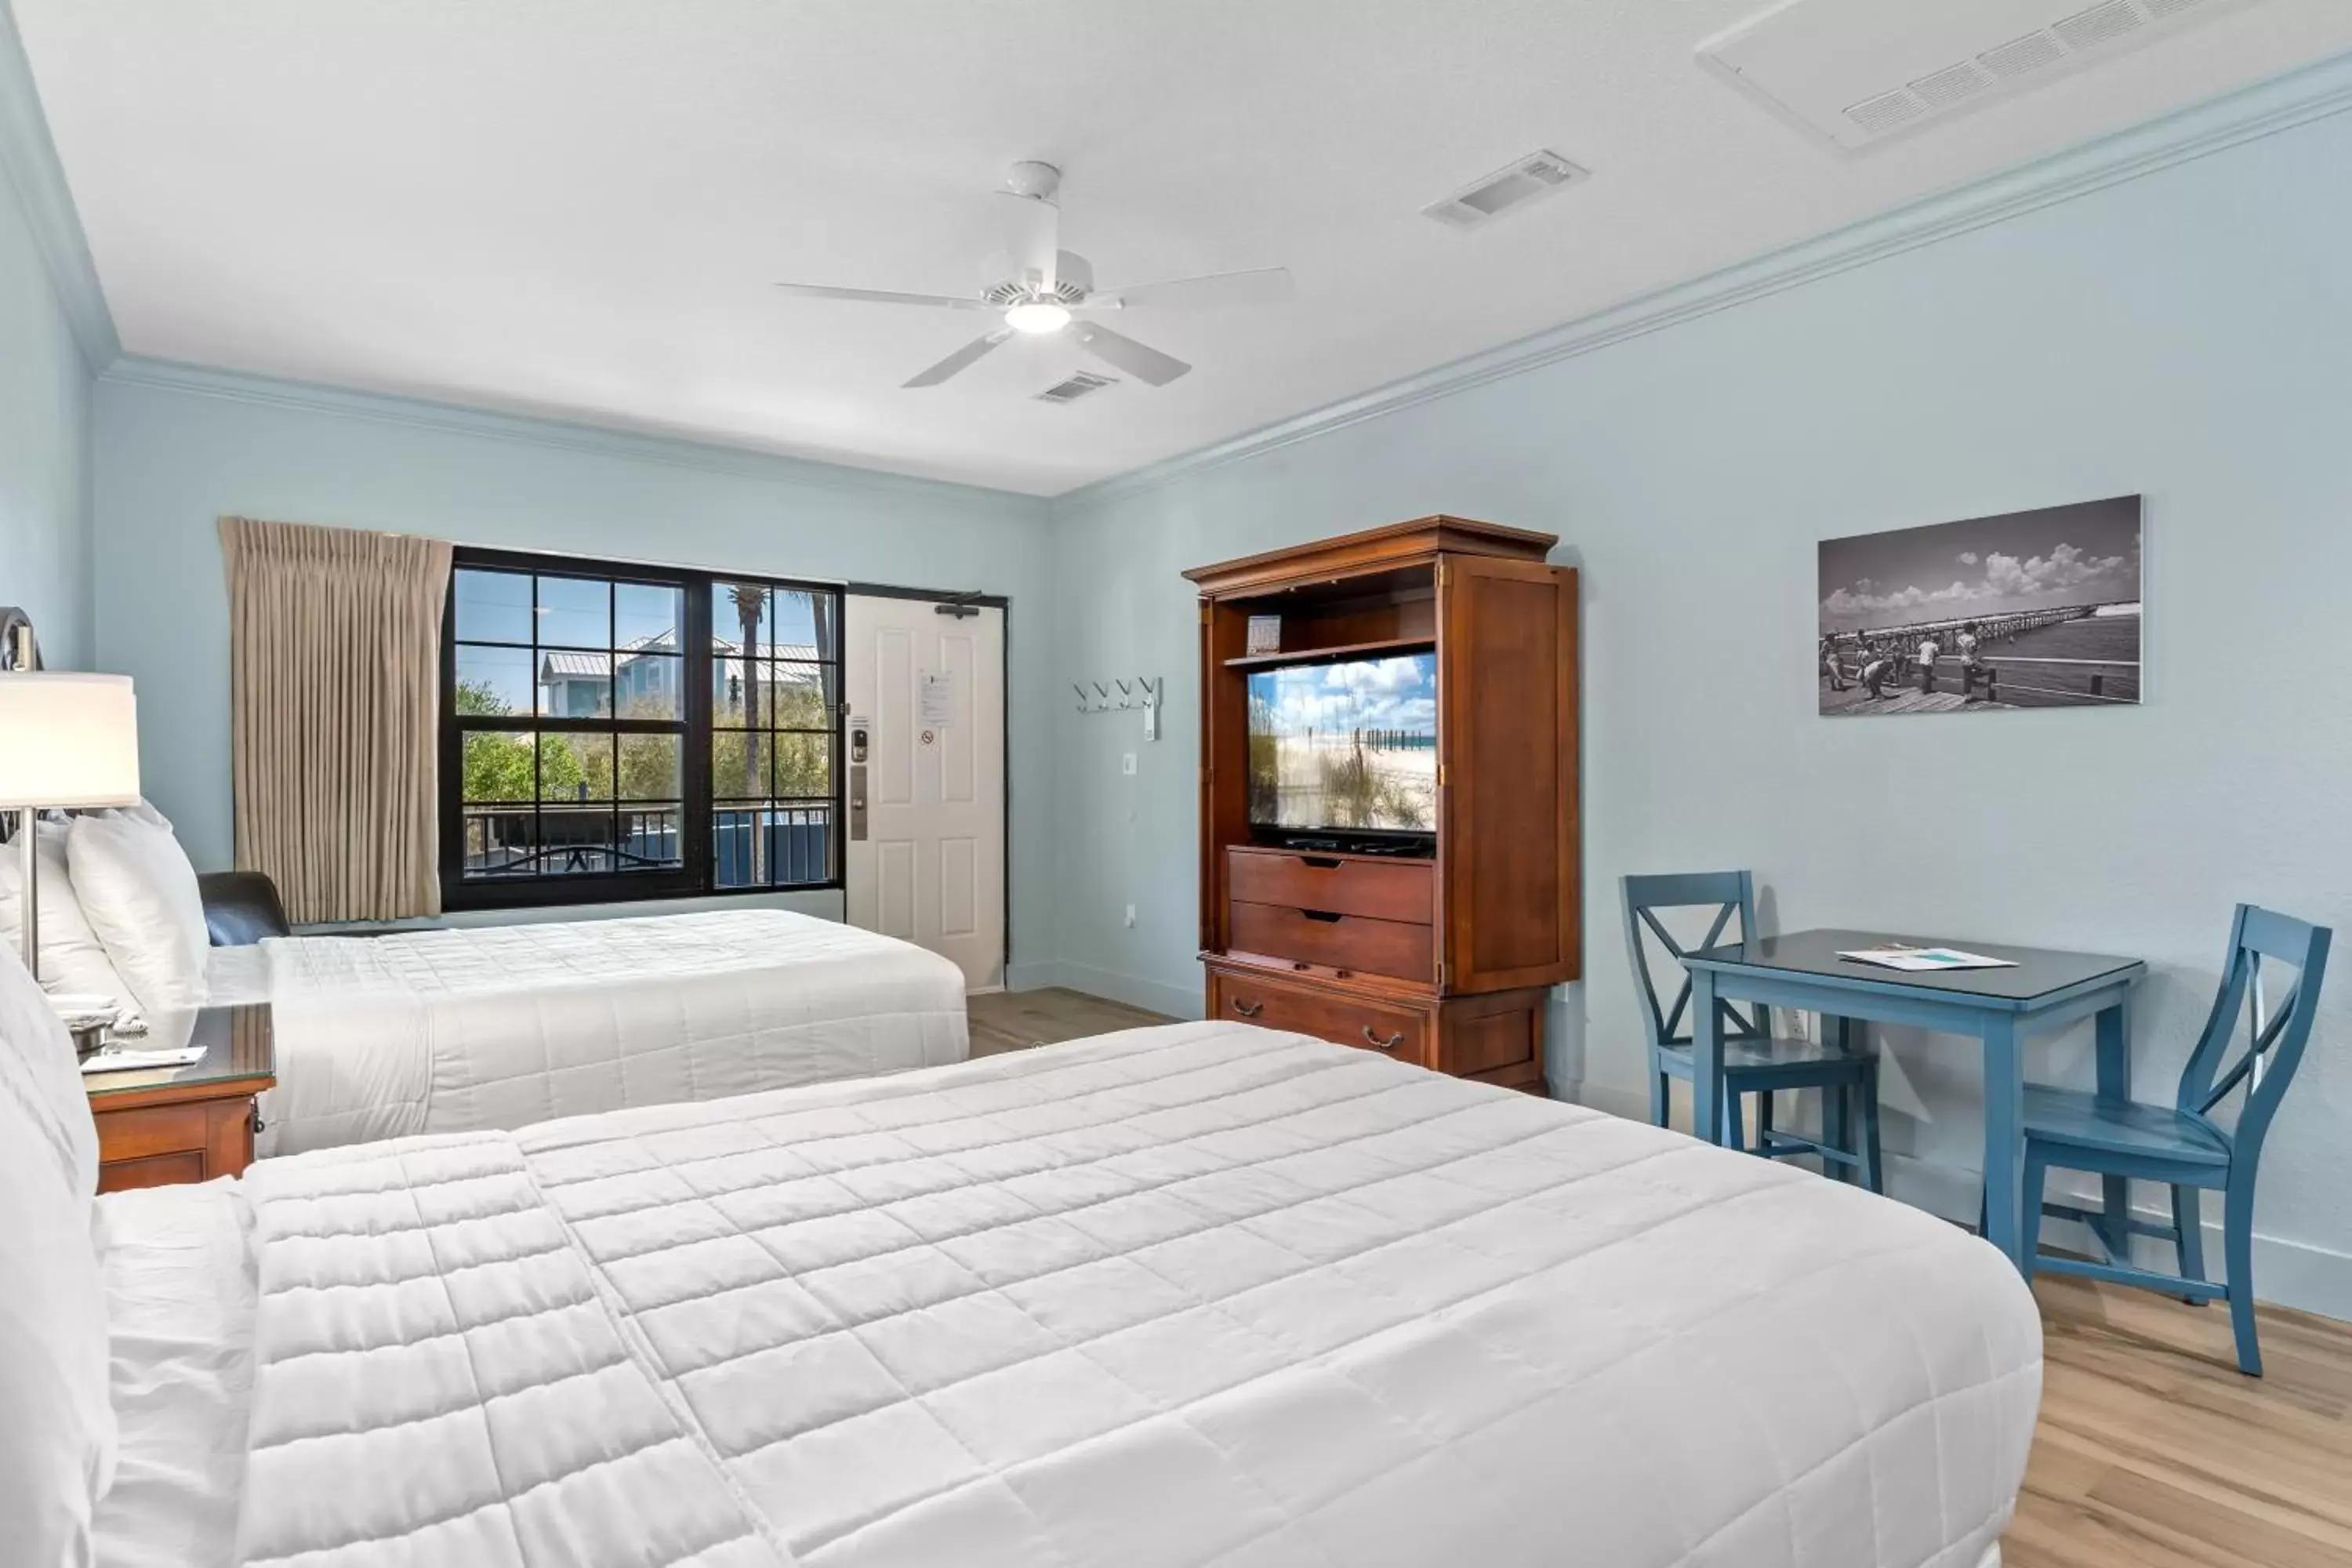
[[1127, 761]]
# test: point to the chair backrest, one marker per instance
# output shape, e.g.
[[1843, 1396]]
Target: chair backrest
[[1726, 896], [2264, 1058]]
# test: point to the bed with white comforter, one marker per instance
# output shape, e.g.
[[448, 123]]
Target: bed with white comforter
[[465, 1030], [1201, 1294]]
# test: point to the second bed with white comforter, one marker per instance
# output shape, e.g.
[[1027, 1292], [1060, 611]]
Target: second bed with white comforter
[[1203, 1294], [462, 1030]]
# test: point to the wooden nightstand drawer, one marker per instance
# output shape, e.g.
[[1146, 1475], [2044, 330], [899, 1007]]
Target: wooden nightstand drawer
[[151, 1130], [155, 1171], [147, 1146], [192, 1123]]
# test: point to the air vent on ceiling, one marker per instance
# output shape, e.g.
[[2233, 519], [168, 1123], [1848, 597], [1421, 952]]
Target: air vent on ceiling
[[1537, 174], [1078, 387], [1839, 68]]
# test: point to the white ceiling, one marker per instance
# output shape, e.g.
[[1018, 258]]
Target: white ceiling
[[574, 208]]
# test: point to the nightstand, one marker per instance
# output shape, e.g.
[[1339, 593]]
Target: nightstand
[[160, 1125]]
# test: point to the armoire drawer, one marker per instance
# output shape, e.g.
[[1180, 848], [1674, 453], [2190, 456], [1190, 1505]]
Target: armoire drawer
[[1356, 944], [1346, 885], [1402, 1034]]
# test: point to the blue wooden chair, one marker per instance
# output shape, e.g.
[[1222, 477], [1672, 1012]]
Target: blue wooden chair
[[2183, 1144], [1754, 1061]]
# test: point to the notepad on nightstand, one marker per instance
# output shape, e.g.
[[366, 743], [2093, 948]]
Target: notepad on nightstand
[[111, 1059]]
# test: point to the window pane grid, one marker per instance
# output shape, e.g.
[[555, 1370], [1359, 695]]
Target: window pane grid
[[575, 726]]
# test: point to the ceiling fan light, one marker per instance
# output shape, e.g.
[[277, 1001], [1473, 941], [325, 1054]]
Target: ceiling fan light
[[1036, 316]]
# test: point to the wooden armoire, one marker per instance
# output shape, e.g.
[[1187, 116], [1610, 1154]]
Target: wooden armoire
[[1436, 944]]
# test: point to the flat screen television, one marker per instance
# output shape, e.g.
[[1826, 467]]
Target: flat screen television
[[1345, 747]]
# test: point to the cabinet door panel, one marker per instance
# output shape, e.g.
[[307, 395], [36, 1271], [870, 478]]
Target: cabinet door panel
[[1506, 746]]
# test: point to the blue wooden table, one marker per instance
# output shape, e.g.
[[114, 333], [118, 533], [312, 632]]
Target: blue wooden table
[[2046, 991]]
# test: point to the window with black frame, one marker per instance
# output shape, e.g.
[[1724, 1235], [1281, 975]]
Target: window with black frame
[[775, 685], [617, 731]]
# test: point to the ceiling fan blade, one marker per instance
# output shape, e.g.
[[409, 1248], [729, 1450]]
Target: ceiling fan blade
[[881, 297], [961, 359], [1259, 286], [1033, 230], [1146, 365]]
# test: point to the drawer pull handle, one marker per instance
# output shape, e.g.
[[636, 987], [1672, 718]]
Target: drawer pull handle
[[1320, 862], [1248, 1009], [1326, 916], [1378, 1043]]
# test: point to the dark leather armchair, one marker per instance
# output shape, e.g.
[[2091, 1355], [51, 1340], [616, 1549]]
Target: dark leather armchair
[[241, 908]]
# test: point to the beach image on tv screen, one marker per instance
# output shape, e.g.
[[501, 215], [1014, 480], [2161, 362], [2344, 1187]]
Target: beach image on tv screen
[[1349, 746]]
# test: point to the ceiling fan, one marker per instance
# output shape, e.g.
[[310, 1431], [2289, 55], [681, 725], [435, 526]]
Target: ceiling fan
[[1041, 290]]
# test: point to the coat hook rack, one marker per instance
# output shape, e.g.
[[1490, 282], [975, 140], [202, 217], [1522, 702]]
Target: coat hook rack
[[1143, 693]]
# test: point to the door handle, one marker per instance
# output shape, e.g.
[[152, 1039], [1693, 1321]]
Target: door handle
[[1378, 1043], [1248, 1009]]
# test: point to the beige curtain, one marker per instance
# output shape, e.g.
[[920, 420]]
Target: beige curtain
[[335, 679]]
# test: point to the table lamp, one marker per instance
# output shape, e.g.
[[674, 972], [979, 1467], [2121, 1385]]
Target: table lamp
[[64, 740]]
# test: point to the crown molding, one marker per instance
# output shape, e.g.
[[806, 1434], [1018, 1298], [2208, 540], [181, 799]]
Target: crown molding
[[2280, 103], [137, 371], [28, 164]]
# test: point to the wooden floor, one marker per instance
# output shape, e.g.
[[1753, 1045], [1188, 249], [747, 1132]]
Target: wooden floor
[[2153, 1452], [1014, 1020]]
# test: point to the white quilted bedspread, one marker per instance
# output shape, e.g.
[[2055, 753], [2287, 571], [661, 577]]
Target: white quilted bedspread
[[1201, 1294], [453, 1031]]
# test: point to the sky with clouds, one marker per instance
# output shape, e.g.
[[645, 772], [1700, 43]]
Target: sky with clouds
[[2055, 557], [1378, 694]]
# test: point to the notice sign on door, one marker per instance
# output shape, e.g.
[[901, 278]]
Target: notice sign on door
[[937, 700]]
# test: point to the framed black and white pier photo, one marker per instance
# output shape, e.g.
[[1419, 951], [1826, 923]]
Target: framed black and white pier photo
[[2028, 609]]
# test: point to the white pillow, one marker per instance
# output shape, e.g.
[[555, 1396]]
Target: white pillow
[[72, 958], [56, 1444], [140, 895]]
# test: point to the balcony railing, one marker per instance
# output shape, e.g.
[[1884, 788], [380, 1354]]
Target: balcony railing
[[570, 841], [751, 847], [773, 847]]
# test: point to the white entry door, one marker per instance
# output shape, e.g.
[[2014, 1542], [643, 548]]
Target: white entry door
[[926, 853]]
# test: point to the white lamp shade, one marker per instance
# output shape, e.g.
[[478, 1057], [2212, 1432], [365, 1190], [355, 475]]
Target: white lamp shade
[[68, 739]]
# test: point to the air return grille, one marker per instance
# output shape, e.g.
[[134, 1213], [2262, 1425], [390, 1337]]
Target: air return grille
[[1537, 174], [1840, 68], [1078, 387]]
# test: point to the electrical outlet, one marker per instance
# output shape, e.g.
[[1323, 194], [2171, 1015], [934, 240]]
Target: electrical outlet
[[1127, 761], [1130, 917]]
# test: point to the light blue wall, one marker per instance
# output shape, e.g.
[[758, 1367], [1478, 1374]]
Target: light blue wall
[[176, 450], [2187, 334], [44, 389]]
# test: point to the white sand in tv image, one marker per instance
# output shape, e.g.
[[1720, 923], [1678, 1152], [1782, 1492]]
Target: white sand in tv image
[[1350, 746]]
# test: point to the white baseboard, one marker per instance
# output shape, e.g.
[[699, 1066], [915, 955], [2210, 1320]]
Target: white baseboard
[[2286, 1273], [1029, 976]]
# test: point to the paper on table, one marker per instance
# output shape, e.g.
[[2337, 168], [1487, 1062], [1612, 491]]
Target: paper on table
[[1917, 960], [113, 1061]]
